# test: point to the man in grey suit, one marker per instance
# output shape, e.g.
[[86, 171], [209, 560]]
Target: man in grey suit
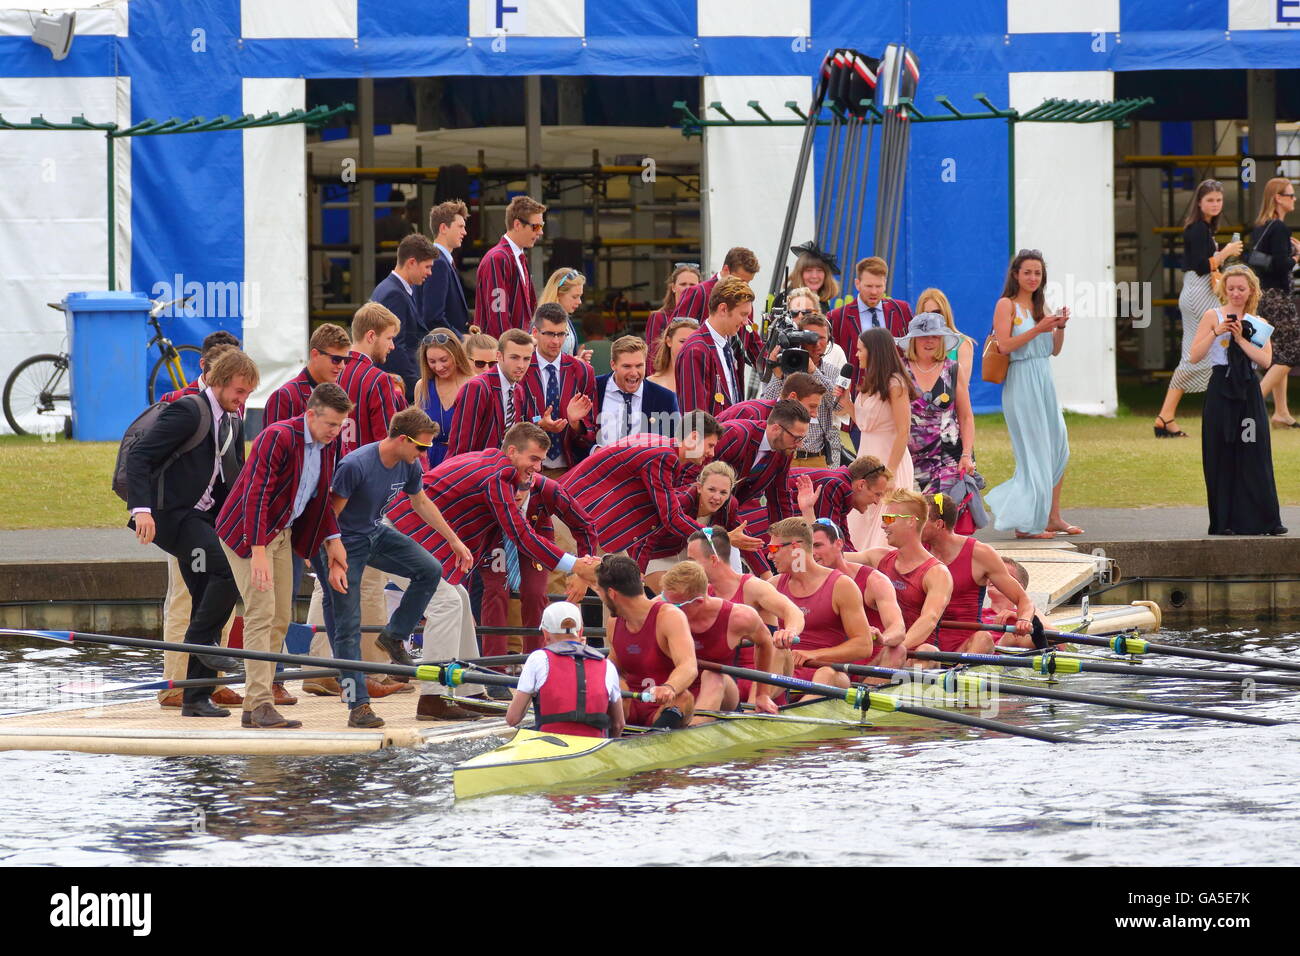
[[396, 292]]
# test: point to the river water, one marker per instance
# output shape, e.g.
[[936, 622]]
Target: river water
[[1151, 790]]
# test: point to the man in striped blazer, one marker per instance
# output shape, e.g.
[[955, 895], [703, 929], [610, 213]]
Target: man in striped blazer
[[869, 309], [504, 297], [831, 493], [492, 403], [375, 398], [561, 390], [628, 487], [476, 493], [709, 376], [760, 453], [799, 386], [694, 302], [279, 507], [327, 353]]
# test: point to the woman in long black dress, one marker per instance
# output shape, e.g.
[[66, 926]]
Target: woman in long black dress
[[1272, 238], [1236, 451]]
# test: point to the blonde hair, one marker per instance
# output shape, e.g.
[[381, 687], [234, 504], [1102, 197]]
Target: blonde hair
[[1252, 280], [914, 500], [686, 578], [330, 335], [794, 529], [664, 357], [480, 340], [373, 317], [228, 365], [452, 346], [944, 306], [716, 468], [802, 290], [830, 288], [1268, 204], [561, 280], [625, 344]]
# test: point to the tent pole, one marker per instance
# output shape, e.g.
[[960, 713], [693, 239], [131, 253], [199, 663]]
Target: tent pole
[[112, 215]]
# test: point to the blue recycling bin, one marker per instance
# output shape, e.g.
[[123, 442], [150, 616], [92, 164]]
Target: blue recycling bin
[[108, 333]]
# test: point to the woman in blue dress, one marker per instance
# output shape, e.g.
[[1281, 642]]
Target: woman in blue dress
[[1030, 503], [444, 368]]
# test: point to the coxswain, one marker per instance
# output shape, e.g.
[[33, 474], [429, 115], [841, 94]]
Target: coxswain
[[573, 688], [718, 628], [974, 566], [651, 646], [835, 623]]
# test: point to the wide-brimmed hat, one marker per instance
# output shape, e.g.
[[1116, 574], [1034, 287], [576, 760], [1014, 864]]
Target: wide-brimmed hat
[[810, 248], [929, 323]]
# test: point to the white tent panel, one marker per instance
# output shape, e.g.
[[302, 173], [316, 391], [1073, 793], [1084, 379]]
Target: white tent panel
[[293, 19], [1065, 207], [754, 18], [54, 231], [274, 297], [1035, 16], [94, 17], [1263, 15], [746, 175]]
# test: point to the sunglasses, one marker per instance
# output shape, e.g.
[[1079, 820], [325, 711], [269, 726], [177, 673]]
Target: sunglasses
[[686, 265], [570, 276], [774, 548], [480, 364], [438, 338], [338, 359], [536, 226], [830, 526], [418, 444], [1032, 253], [890, 519], [873, 471], [708, 536], [699, 597]]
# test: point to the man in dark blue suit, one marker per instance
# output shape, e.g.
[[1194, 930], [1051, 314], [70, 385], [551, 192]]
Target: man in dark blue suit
[[442, 297], [626, 403], [415, 255]]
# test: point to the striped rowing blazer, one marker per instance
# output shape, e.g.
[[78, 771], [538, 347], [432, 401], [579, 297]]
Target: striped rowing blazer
[[261, 502], [289, 400], [375, 400], [502, 298], [479, 421], [575, 376]]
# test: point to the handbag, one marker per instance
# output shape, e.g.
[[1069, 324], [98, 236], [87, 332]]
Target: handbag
[[1261, 261], [994, 365]]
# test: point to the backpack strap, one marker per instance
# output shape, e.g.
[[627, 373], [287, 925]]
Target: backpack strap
[[191, 443]]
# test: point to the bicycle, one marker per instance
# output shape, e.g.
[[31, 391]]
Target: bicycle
[[38, 390]]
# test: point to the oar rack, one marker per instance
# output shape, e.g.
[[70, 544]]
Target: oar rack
[[1049, 111]]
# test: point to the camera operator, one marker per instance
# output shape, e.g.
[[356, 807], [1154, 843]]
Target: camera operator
[[806, 352]]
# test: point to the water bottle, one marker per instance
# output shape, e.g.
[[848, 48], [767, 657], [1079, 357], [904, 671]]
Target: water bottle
[[1236, 237]]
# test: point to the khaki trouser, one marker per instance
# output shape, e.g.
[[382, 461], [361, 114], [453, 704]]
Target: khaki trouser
[[266, 614], [374, 611], [176, 620]]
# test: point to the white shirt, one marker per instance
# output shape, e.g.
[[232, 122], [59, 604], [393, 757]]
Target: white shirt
[[764, 449], [555, 457], [405, 285], [613, 410], [515, 251], [507, 388], [728, 369], [446, 254], [207, 501], [864, 315], [538, 667]]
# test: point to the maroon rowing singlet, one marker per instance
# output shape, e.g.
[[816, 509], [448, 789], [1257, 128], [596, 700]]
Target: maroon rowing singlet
[[737, 596], [821, 623], [711, 643], [967, 597], [860, 577], [908, 587], [641, 661]]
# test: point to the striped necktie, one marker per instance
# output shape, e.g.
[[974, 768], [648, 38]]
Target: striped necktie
[[510, 406]]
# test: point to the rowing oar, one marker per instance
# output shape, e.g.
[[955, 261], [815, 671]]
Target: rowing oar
[[968, 683], [1127, 642], [864, 699], [97, 687], [305, 631], [1055, 664]]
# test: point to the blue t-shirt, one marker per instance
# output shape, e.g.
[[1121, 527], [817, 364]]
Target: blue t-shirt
[[369, 486]]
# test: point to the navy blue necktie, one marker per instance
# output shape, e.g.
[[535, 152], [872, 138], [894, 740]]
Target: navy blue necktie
[[627, 414], [552, 391], [730, 370]]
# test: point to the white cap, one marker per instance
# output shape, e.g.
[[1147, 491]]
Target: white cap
[[556, 614]]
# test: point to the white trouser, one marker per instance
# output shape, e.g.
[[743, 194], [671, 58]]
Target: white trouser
[[449, 634]]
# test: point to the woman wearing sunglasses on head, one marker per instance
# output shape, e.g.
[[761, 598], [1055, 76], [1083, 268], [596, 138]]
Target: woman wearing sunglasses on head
[[444, 368], [565, 286]]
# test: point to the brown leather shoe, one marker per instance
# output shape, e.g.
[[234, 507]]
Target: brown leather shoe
[[323, 687], [226, 697], [173, 699], [282, 696], [265, 716], [379, 689], [363, 716], [433, 707], [484, 706]]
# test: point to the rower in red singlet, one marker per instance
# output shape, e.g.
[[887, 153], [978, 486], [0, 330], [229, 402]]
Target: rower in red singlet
[[718, 627], [651, 646], [973, 566], [883, 613], [835, 621], [921, 581]]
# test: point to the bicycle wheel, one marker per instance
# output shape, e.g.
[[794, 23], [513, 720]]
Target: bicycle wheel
[[162, 378], [37, 396]]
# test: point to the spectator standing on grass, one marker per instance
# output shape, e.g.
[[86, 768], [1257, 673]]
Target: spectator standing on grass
[[1271, 237], [1030, 503]]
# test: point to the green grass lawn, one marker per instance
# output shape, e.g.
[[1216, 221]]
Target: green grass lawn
[[1114, 462]]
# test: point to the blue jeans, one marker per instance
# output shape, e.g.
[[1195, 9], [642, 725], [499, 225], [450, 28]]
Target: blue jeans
[[388, 550]]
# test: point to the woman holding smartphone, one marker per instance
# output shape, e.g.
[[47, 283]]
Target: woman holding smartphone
[[1236, 451]]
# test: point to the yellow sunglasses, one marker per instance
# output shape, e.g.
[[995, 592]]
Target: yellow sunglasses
[[890, 519], [418, 444]]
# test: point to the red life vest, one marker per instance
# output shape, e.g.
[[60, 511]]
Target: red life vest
[[573, 699]]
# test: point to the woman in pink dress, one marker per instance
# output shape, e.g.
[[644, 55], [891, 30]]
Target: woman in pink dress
[[883, 413]]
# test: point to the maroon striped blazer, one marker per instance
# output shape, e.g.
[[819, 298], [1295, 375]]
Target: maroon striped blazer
[[836, 500], [695, 304], [654, 327], [475, 493], [289, 400], [666, 543], [701, 381], [375, 400], [756, 409], [627, 489], [261, 502], [191, 389], [846, 326], [575, 376], [502, 299], [479, 421], [769, 479]]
